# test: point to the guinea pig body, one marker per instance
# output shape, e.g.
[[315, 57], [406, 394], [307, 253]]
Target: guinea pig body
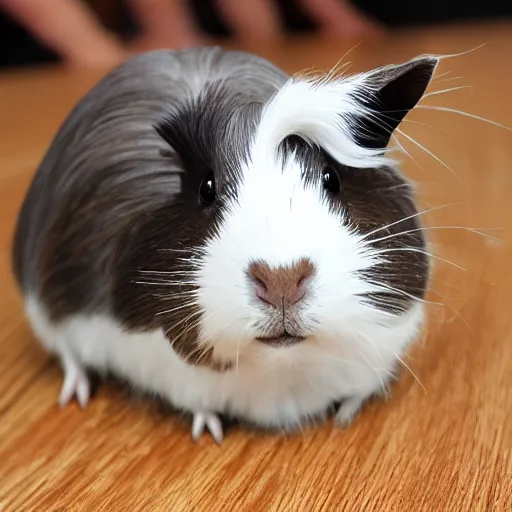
[[229, 238]]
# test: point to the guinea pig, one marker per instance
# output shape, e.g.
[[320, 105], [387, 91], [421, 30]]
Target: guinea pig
[[234, 240]]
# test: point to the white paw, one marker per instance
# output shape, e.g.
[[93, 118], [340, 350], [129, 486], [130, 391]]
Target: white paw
[[76, 383], [348, 410], [211, 421]]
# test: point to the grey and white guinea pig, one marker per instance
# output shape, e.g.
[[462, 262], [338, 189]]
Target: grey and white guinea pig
[[234, 240]]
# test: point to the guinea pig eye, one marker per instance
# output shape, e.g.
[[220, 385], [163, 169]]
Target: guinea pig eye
[[330, 180], [207, 192]]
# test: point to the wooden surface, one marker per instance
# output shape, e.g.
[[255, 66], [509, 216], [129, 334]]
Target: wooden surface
[[442, 445]]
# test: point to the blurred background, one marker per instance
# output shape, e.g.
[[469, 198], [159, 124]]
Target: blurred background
[[99, 33]]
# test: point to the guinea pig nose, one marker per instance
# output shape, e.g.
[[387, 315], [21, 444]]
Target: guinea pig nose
[[281, 286]]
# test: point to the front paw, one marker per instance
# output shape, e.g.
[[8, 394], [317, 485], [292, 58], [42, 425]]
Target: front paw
[[213, 424], [348, 411]]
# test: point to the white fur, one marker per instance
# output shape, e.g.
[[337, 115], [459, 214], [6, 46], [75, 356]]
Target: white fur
[[277, 219], [273, 387], [320, 111]]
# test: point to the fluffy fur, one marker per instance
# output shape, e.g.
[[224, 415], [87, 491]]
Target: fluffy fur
[[124, 268], [270, 386]]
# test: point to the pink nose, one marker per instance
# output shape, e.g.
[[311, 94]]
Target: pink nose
[[281, 286]]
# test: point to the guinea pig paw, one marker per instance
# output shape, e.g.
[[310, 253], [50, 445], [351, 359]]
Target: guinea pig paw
[[76, 383], [211, 421], [348, 411]]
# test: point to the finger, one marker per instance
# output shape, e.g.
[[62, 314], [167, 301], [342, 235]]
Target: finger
[[341, 17], [251, 19]]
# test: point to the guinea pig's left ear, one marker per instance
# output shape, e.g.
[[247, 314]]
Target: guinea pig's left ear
[[388, 94]]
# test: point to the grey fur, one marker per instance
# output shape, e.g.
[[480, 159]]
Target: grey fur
[[109, 142]]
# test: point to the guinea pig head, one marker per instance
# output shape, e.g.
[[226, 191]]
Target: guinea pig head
[[306, 233]]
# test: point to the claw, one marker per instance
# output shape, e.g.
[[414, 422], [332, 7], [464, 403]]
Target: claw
[[76, 384], [211, 421], [348, 411]]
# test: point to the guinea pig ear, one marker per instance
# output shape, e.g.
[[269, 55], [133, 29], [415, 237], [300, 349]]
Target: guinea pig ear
[[388, 94], [350, 117]]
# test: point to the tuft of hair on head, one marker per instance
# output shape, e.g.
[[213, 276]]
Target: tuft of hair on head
[[351, 117]]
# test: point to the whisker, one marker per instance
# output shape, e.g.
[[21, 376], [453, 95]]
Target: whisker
[[175, 339], [455, 55], [458, 314], [167, 272], [410, 370], [383, 385], [187, 251], [479, 231], [182, 333], [397, 356], [419, 123], [443, 91], [419, 251], [465, 114], [383, 306], [437, 77], [395, 138], [168, 283], [450, 78], [185, 320], [177, 308], [179, 296], [427, 228], [188, 261], [360, 336], [431, 280], [187, 328], [175, 296], [435, 157], [201, 350], [411, 217], [400, 292]]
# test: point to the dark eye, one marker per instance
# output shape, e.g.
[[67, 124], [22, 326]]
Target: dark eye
[[330, 180], [207, 192]]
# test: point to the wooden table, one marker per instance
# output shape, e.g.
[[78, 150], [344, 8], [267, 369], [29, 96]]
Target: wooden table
[[443, 442]]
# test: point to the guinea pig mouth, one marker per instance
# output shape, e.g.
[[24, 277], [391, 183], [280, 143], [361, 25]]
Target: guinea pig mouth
[[284, 339]]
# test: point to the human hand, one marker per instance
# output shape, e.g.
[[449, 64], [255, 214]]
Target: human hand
[[341, 18], [169, 23]]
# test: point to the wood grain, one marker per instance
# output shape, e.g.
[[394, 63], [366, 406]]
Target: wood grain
[[442, 442]]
